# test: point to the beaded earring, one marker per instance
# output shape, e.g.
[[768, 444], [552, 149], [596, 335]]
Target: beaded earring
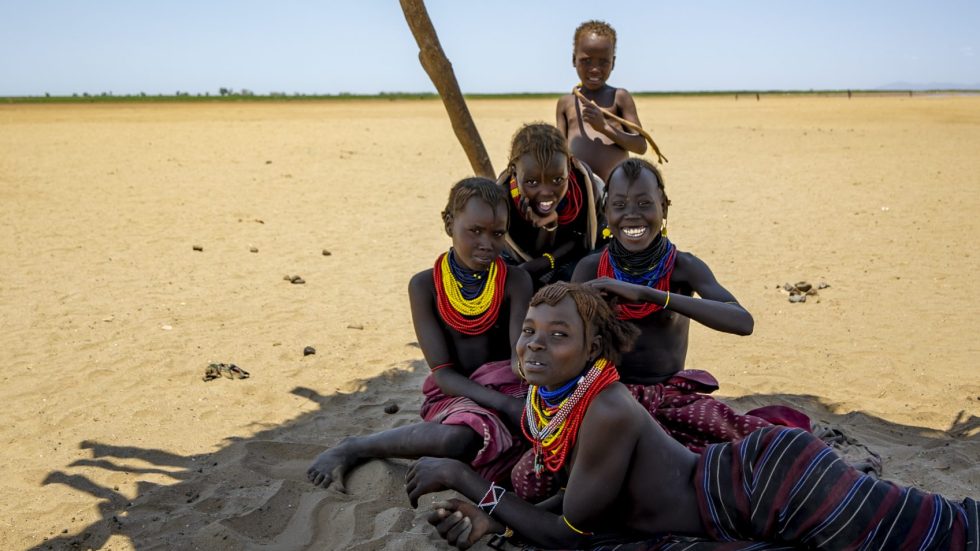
[[606, 233], [663, 228]]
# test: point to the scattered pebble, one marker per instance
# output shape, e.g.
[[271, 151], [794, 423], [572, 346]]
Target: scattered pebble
[[253, 249], [230, 371], [356, 326], [296, 280], [268, 162], [108, 319], [391, 407], [287, 277], [309, 351], [166, 327], [801, 289], [260, 221], [198, 248], [326, 252]]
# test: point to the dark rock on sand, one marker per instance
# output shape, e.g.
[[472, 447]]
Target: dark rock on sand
[[198, 248], [296, 280], [326, 252], [309, 351], [391, 407]]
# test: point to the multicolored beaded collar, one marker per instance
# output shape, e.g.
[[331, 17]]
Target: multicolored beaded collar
[[651, 267], [552, 429], [568, 208], [469, 309]]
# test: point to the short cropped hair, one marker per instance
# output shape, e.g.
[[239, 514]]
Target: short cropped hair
[[540, 139], [467, 188], [632, 168], [596, 27], [615, 335]]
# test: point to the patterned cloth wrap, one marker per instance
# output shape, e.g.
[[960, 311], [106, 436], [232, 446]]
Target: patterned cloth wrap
[[501, 447], [783, 489], [784, 485], [683, 408]]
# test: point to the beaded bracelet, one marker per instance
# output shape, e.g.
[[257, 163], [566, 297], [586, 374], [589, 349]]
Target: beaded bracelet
[[551, 259], [666, 302], [491, 499]]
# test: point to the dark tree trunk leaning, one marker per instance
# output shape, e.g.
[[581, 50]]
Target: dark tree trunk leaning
[[440, 72]]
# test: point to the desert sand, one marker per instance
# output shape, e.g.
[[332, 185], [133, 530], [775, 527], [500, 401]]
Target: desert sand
[[109, 317]]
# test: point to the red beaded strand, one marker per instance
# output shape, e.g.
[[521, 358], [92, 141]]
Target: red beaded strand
[[632, 310], [464, 324], [556, 452]]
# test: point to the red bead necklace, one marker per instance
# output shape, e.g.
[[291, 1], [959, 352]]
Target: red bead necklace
[[465, 324]]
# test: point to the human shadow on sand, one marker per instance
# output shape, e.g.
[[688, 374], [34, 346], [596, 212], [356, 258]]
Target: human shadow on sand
[[253, 492]]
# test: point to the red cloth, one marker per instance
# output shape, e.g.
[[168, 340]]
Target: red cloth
[[683, 408], [502, 447]]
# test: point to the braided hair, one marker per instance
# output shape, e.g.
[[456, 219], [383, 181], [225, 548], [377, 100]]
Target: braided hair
[[539, 139], [615, 336], [632, 168], [467, 188]]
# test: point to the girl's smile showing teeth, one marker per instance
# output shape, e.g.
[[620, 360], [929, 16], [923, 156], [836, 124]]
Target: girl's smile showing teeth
[[635, 232], [545, 206]]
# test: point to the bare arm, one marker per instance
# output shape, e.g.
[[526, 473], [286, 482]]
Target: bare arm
[[602, 459], [716, 308], [561, 121], [432, 341]]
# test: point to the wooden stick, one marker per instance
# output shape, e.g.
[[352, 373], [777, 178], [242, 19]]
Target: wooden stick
[[632, 126], [441, 74]]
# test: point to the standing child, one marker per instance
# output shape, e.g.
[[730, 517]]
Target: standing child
[[467, 312], [600, 143], [555, 215]]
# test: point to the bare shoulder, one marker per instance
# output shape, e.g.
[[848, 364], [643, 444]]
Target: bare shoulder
[[622, 96], [421, 284], [587, 268], [566, 101], [614, 407], [518, 281], [688, 265]]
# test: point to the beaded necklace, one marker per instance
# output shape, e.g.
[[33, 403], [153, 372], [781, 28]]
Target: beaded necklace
[[469, 316], [568, 208], [651, 267], [552, 429]]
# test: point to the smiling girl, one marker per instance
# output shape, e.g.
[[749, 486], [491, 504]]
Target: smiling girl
[[555, 215]]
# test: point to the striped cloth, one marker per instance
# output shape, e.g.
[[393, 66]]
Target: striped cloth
[[784, 485]]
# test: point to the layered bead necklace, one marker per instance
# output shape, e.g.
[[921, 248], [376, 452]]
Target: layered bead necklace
[[651, 267], [552, 419], [468, 302], [568, 207]]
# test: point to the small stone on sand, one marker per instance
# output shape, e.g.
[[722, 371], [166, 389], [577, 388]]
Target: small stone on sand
[[391, 407], [803, 286], [355, 326], [253, 249], [166, 327], [326, 252], [309, 351], [296, 280], [797, 298], [287, 277], [198, 248]]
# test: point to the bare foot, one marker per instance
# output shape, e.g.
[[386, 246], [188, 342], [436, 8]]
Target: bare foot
[[331, 466]]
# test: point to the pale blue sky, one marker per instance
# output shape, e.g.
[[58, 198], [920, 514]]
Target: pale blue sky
[[321, 46]]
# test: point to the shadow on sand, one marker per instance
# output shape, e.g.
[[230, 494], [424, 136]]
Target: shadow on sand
[[253, 493]]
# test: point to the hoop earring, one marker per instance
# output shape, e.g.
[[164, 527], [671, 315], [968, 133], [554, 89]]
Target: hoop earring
[[520, 371]]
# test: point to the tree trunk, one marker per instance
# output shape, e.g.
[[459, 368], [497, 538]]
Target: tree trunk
[[441, 74]]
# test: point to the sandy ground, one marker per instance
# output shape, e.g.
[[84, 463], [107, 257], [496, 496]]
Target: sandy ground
[[108, 318]]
